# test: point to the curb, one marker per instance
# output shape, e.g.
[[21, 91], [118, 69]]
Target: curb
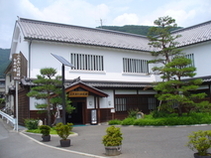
[[196, 125], [70, 151], [52, 135]]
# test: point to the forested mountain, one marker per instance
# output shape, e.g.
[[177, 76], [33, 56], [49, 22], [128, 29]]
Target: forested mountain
[[134, 29], [4, 61]]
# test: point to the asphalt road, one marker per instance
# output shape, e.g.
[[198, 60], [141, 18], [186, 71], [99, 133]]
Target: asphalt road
[[139, 142], [16, 145]]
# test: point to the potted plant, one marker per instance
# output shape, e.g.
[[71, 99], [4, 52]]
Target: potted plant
[[64, 130], [45, 130], [112, 141], [200, 141]]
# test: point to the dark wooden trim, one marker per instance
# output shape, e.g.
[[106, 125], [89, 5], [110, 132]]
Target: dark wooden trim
[[89, 89]]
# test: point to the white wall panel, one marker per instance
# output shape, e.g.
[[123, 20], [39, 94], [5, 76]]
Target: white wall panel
[[107, 102]]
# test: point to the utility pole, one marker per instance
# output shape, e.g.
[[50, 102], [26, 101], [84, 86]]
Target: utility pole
[[101, 22]]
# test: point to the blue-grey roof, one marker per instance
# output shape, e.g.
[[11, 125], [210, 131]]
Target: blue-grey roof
[[40, 30], [48, 31], [194, 34]]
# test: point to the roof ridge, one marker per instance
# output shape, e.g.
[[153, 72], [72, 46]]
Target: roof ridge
[[82, 27], [191, 27]]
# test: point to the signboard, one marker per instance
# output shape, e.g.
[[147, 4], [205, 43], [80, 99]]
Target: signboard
[[78, 94], [112, 110], [93, 116], [16, 66]]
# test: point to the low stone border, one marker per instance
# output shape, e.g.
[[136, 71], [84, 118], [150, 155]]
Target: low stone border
[[53, 135]]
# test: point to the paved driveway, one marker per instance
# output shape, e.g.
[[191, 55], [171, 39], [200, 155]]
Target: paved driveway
[[144, 142]]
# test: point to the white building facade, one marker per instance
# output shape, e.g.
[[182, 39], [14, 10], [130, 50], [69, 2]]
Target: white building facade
[[111, 67]]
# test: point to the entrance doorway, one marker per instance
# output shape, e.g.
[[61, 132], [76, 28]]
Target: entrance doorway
[[76, 117]]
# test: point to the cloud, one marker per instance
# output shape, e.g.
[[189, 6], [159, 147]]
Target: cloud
[[88, 13], [73, 12], [126, 19], [184, 12]]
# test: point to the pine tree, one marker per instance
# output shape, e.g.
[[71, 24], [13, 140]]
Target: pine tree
[[163, 41], [47, 84], [173, 67], [177, 93]]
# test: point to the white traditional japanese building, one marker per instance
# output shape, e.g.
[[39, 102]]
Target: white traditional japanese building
[[111, 69]]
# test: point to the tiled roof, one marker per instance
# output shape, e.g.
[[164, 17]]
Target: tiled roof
[[194, 34], [47, 31], [97, 84], [118, 84], [40, 30]]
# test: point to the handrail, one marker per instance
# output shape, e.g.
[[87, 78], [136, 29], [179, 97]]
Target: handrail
[[9, 118]]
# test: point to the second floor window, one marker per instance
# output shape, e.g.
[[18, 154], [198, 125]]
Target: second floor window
[[191, 57], [135, 65], [87, 62]]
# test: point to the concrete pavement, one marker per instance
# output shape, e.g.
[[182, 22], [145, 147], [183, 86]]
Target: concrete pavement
[[144, 142]]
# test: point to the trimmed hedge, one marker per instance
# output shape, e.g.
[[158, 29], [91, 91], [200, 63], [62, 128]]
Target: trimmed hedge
[[170, 120]]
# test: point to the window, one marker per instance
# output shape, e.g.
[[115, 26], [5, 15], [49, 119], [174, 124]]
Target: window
[[135, 66], [191, 57], [87, 62], [120, 104], [151, 103]]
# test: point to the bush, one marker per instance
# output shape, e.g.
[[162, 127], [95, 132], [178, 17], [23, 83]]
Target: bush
[[63, 130], [113, 137], [31, 123], [115, 122], [149, 122], [132, 113], [200, 141], [128, 121], [45, 130], [158, 114], [170, 120]]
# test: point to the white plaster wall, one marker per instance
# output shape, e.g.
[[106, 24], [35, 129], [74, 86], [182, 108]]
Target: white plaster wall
[[33, 102], [90, 102], [125, 91], [107, 102], [146, 92], [113, 66], [202, 56]]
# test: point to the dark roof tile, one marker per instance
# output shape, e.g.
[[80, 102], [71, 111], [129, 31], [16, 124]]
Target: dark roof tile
[[41, 30]]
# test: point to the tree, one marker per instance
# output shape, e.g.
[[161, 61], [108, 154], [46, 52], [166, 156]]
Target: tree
[[47, 84], [177, 93], [173, 67], [163, 41]]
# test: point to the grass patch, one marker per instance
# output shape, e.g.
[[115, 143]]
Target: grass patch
[[114, 122], [167, 120], [52, 131]]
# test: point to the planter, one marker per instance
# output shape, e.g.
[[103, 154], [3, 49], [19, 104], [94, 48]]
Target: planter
[[46, 138], [113, 150], [198, 156], [65, 143]]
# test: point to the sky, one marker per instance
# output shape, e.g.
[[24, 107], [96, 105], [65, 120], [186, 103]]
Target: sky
[[90, 13]]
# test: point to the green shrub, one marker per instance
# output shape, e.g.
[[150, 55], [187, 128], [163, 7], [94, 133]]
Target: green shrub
[[149, 122], [45, 130], [200, 141], [113, 137], [170, 120], [158, 114], [132, 113], [63, 130], [31, 123], [128, 121], [115, 122]]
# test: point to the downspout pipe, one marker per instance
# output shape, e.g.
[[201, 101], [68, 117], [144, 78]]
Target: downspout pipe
[[30, 45], [29, 69]]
